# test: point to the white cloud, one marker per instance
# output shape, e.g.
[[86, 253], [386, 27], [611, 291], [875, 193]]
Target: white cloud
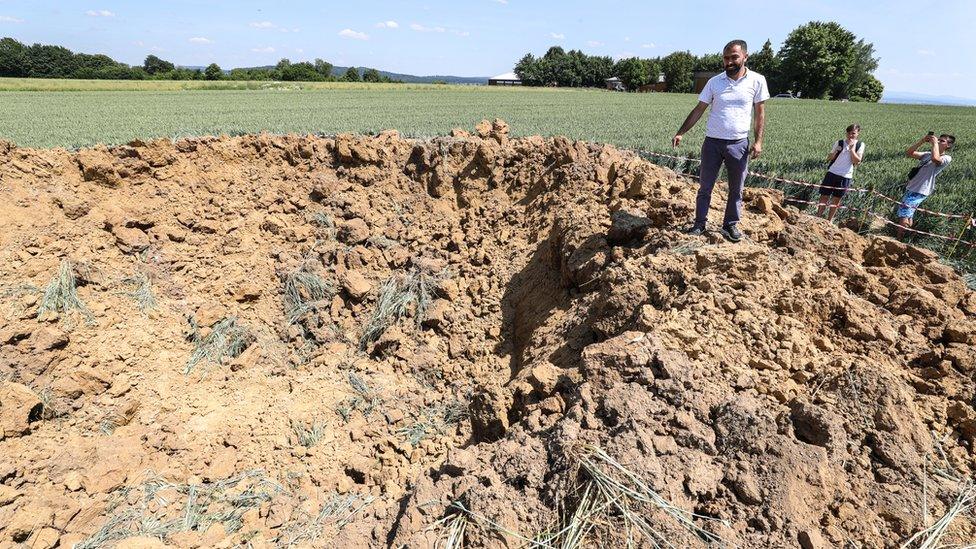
[[269, 25], [648, 45], [388, 25], [557, 35], [423, 28], [502, 1], [201, 40], [594, 43], [268, 49], [925, 52], [157, 49], [8, 19], [420, 28], [299, 50], [139, 43], [354, 35], [99, 13]]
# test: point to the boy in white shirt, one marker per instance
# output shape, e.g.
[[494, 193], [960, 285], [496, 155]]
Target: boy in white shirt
[[845, 155]]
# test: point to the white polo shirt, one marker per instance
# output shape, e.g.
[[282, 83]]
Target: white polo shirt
[[731, 103]]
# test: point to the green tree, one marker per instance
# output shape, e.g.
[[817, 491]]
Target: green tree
[[372, 75], [352, 75], [822, 60], [710, 62], [153, 65], [13, 58], [654, 70], [553, 65], [324, 68], [632, 72], [865, 63], [528, 70], [49, 61], [571, 70], [766, 63], [281, 67], [678, 69], [596, 69], [213, 72], [96, 62], [299, 72], [869, 89]]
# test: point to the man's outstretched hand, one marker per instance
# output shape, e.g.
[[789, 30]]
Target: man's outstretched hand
[[676, 141], [755, 150]]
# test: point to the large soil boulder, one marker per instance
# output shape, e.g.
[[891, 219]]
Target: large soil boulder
[[97, 166], [19, 407]]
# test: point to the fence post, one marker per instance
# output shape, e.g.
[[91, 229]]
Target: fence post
[[966, 225], [868, 207]]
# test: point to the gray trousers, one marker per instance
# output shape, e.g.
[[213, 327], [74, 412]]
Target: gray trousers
[[735, 155]]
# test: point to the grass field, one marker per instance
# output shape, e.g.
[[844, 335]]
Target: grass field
[[77, 113]]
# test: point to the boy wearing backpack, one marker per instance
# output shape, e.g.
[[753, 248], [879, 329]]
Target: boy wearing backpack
[[921, 179], [846, 154]]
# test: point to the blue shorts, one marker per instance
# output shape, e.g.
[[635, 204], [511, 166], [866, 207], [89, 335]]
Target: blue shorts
[[908, 204]]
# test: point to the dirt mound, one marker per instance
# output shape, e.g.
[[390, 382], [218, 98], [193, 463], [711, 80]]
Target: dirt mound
[[371, 341]]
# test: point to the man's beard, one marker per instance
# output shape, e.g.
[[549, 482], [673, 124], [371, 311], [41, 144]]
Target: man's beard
[[733, 69]]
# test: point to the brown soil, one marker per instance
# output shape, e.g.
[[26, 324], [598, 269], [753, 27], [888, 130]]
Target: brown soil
[[807, 387]]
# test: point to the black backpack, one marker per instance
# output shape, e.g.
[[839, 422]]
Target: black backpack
[[914, 171]]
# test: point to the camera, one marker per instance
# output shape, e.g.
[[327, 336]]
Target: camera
[[931, 133]]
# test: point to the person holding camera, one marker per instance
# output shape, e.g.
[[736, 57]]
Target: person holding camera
[[921, 178], [846, 154]]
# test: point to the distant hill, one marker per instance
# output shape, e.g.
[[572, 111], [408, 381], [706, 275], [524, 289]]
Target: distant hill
[[924, 99], [408, 78], [413, 79]]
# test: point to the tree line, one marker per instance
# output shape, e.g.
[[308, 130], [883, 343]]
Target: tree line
[[47, 61], [819, 60]]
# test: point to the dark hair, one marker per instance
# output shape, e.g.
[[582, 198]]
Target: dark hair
[[951, 138], [853, 127], [734, 43]]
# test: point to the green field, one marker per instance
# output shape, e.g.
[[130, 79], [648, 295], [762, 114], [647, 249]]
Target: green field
[[78, 113]]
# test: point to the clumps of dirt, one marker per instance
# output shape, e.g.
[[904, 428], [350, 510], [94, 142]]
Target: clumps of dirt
[[372, 341]]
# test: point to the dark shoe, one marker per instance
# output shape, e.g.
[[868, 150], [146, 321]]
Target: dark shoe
[[732, 233], [695, 230]]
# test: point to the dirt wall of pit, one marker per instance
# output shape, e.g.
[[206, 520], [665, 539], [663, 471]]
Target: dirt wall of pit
[[805, 387]]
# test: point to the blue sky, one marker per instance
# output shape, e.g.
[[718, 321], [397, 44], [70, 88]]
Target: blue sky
[[922, 47]]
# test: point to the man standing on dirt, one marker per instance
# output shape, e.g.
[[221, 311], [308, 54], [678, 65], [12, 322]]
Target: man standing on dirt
[[732, 96]]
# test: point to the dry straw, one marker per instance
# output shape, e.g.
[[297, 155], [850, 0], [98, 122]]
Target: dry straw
[[608, 494], [61, 294], [931, 537], [399, 295], [227, 338]]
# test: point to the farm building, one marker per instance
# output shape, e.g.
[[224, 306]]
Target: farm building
[[659, 86], [614, 84], [701, 78], [507, 79]]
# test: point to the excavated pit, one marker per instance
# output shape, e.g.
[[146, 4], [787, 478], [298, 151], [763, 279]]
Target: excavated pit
[[358, 341]]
